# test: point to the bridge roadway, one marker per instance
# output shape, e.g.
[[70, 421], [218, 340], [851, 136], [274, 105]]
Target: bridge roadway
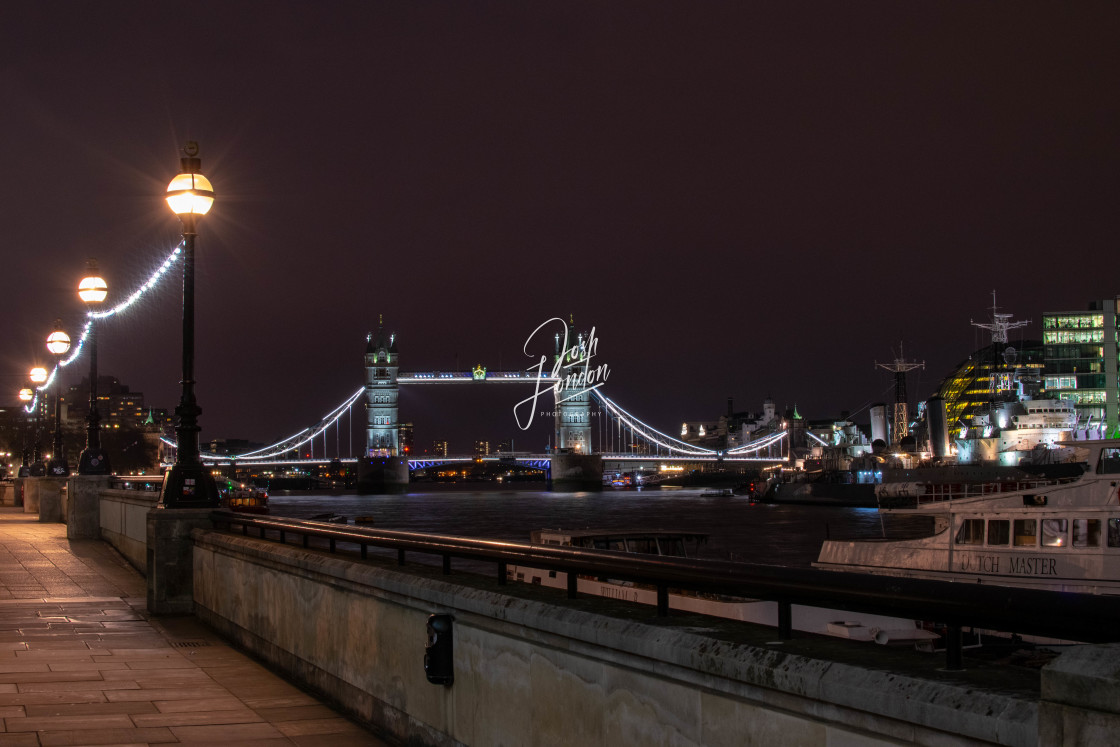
[[533, 460], [81, 661]]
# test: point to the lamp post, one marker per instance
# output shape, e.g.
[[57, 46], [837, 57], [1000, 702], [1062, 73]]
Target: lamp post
[[58, 343], [93, 460], [187, 484], [25, 396], [38, 376]]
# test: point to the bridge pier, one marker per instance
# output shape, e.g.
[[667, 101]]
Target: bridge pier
[[572, 472], [383, 475]]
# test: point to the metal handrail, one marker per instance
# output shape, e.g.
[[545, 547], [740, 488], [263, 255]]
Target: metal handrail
[[1081, 617]]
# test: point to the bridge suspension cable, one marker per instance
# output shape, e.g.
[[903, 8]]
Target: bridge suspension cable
[[294, 441], [648, 432], [758, 444]]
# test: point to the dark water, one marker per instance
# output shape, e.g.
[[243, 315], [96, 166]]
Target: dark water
[[737, 528]]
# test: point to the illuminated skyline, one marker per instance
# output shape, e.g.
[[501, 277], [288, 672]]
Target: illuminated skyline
[[744, 201]]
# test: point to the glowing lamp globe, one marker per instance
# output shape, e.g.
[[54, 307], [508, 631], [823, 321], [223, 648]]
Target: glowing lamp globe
[[92, 289], [38, 375], [26, 395], [190, 194], [58, 342]]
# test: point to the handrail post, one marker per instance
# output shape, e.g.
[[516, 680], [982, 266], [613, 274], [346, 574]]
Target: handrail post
[[573, 581], [400, 556], [502, 571], [785, 620], [953, 659], [662, 600], [446, 564]]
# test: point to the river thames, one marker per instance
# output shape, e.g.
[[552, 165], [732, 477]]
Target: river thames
[[737, 528]]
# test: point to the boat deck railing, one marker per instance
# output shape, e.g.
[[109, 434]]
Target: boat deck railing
[[956, 605], [933, 493]]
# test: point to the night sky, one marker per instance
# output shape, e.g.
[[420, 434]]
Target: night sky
[[744, 199]]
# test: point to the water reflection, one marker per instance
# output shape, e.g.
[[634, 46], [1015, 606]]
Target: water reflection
[[737, 528]]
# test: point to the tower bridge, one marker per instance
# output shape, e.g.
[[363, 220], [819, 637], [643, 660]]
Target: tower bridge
[[624, 442]]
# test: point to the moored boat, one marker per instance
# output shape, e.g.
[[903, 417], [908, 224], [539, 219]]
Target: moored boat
[[1057, 532], [237, 496], [879, 628]]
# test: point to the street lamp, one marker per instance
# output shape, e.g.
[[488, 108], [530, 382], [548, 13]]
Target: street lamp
[[93, 290], [187, 484], [58, 343], [38, 376], [25, 396]]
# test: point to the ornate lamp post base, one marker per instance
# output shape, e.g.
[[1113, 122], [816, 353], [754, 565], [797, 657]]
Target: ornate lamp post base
[[188, 486], [94, 462], [58, 467]]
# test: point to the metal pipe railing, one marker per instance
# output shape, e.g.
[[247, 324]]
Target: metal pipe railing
[[1080, 617]]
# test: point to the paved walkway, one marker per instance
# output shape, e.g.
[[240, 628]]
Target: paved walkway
[[81, 663]]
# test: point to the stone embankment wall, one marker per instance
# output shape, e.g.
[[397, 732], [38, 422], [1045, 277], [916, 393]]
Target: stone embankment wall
[[529, 672], [124, 523]]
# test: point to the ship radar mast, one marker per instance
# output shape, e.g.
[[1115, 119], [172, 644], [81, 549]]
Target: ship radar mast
[[900, 424], [1000, 325]]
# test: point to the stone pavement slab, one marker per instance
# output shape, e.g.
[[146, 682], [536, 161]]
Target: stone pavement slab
[[82, 662]]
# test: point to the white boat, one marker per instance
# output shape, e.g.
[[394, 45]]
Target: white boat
[[1060, 534], [879, 628]]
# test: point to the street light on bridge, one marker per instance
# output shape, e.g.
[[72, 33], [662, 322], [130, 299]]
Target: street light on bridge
[[187, 484], [93, 460], [58, 343]]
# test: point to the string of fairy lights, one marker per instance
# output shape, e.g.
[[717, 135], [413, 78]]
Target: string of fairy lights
[[307, 435], [76, 349]]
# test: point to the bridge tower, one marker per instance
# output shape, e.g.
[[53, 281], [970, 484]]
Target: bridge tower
[[382, 362], [573, 405], [382, 469]]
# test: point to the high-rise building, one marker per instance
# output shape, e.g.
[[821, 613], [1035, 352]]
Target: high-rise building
[[118, 406], [404, 438], [1081, 361], [481, 448], [439, 448]]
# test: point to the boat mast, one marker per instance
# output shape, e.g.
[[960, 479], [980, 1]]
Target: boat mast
[[901, 422], [1000, 325]]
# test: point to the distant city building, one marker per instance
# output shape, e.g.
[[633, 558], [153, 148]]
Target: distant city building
[[228, 446], [731, 429], [118, 406], [1081, 361], [992, 375], [481, 448], [439, 448], [505, 447], [404, 438]]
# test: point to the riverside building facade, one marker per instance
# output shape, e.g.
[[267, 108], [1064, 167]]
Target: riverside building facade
[[1081, 361]]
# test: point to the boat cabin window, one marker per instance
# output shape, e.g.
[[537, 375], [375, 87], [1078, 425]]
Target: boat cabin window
[[1086, 532], [643, 545], [1054, 532], [1026, 532], [672, 546], [971, 532], [1110, 462], [999, 532], [1114, 532]]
